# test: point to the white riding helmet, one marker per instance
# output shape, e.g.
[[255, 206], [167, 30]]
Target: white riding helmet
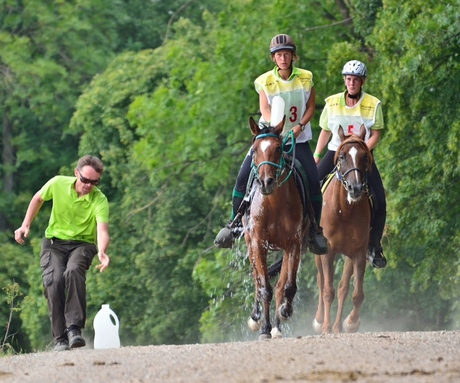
[[355, 68]]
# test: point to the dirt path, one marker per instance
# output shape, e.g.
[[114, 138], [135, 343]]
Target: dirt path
[[365, 357]]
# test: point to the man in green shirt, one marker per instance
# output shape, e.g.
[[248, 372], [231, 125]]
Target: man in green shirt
[[77, 230]]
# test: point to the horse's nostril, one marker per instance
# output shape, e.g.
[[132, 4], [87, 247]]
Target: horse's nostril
[[270, 182]]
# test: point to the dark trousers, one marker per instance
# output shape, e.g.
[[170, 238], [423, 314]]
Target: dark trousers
[[64, 265]]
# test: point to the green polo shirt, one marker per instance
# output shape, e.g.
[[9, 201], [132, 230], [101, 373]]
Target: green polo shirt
[[74, 218]]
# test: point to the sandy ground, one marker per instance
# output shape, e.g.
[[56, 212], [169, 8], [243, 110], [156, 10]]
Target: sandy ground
[[363, 357]]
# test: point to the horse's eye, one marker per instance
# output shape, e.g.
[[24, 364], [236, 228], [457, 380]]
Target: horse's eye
[[278, 149], [341, 157]]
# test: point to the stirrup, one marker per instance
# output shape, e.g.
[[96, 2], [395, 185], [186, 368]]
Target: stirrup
[[376, 257]]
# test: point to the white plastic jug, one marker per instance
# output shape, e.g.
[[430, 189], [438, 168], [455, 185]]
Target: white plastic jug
[[106, 327]]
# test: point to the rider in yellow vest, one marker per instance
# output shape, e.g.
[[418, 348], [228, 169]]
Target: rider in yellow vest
[[351, 109], [295, 87]]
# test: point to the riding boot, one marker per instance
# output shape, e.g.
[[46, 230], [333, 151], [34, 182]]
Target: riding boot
[[233, 229], [317, 241], [375, 251]]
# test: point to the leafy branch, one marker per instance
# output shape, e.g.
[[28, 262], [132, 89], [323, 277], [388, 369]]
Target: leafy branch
[[12, 292]]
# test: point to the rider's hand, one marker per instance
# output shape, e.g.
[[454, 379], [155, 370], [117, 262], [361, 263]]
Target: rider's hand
[[297, 130]]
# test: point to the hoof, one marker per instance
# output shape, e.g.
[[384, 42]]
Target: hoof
[[350, 328], [276, 334], [253, 325], [264, 336], [285, 311], [317, 327]]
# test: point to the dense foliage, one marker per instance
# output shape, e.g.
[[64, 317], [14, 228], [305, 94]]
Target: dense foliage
[[162, 93]]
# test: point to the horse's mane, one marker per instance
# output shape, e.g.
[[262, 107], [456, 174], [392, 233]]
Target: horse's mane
[[355, 139], [264, 130]]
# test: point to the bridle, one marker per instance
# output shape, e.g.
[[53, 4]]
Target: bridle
[[282, 164], [341, 177]]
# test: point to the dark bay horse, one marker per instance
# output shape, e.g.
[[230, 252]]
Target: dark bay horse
[[274, 221], [346, 220]]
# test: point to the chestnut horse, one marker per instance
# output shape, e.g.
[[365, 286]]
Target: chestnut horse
[[275, 221], [346, 220]]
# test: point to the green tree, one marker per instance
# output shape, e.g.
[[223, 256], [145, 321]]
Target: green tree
[[419, 77], [195, 126], [171, 125], [49, 53]]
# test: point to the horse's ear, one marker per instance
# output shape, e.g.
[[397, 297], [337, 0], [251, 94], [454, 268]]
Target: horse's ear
[[254, 126], [280, 126], [362, 132], [341, 133]]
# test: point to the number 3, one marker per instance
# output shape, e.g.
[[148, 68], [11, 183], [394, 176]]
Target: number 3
[[293, 111]]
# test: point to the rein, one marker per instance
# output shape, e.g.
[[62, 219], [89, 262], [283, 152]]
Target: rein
[[282, 164]]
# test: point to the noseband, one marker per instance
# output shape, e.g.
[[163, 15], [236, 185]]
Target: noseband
[[280, 167], [342, 176]]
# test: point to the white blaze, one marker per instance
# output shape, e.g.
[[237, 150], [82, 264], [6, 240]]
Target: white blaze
[[353, 152], [264, 145]]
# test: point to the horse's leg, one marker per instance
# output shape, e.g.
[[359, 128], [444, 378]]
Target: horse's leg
[[351, 323], [254, 321], [319, 317], [290, 288], [264, 292], [342, 293], [328, 289], [279, 292], [286, 287]]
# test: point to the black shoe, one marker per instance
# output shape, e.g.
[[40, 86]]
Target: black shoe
[[75, 338], [61, 344], [376, 257], [318, 242], [226, 237]]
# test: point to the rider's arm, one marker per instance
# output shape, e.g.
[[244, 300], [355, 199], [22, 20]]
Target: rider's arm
[[264, 106], [376, 128], [310, 108], [323, 139], [373, 139]]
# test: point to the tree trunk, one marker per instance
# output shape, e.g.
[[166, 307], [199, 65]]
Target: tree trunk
[[344, 11]]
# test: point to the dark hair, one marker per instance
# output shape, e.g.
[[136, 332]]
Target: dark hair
[[92, 161]]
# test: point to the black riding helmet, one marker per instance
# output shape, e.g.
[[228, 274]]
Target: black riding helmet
[[280, 42]]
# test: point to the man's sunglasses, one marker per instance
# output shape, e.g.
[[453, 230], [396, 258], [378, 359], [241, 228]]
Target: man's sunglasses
[[87, 180]]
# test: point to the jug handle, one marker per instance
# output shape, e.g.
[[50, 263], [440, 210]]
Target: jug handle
[[115, 318]]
